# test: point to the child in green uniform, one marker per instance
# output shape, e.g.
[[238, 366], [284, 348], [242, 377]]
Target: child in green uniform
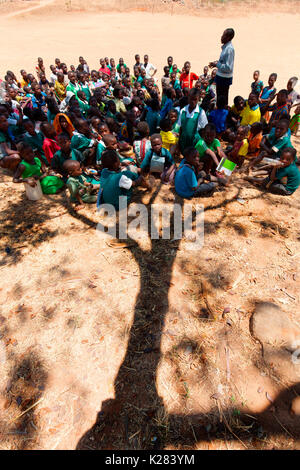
[[192, 118], [81, 190], [159, 160], [112, 110], [73, 85], [209, 148], [35, 140], [116, 183], [82, 140], [173, 116], [84, 86], [83, 103], [284, 178], [127, 163], [274, 143], [9, 158], [32, 169], [65, 153]]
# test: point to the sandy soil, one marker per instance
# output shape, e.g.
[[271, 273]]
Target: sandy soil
[[126, 347]]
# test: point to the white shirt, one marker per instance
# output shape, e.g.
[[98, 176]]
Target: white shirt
[[125, 182], [202, 121], [149, 68], [53, 77]]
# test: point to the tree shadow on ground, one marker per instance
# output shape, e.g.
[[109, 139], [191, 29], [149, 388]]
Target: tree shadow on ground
[[23, 225], [137, 408], [137, 418], [25, 387]]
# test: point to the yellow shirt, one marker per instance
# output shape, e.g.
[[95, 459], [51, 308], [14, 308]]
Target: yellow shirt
[[120, 106], [23, 83], [168, 139], [249, 116], [244, 148], [60, 90]]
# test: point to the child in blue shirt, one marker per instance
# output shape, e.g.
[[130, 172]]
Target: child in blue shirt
[[257, 85], [153, 115], [267, 94], [159, 160], [189, 181]]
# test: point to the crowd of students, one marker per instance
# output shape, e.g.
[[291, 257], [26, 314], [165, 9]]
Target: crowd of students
[[100, 133]]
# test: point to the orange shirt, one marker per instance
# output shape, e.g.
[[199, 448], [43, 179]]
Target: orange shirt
[[254, 144]]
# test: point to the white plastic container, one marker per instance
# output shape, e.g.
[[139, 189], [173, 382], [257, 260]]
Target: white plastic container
[[33, 194]]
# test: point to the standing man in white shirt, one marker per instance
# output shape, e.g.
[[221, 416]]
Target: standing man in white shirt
[[149, 68], [225, 64]]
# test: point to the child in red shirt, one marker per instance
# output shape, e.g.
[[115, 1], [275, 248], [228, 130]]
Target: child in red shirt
[[50, 146], [187, 77]]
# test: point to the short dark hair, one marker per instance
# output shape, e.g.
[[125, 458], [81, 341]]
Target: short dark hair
[[168, 92], [210, 127], [70, 164], [189, 151], [27, 121], [64, 136], [116, 91], [291, 150], [286, 122], [143, 129], [194, 92], [284, 92], [258, 126], [109, 158], [155, 136], [22, 146], [230, 32], [237, 99], [165, 125], [154, 104]]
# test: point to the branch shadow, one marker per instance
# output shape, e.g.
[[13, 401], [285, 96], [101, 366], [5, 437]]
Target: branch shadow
[[136, 417]]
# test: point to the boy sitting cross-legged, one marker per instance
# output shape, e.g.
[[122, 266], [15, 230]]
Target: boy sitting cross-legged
[[114, 182], [284, 178]]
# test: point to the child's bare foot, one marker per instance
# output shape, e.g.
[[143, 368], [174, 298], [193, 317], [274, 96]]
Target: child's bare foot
[[78, 207]]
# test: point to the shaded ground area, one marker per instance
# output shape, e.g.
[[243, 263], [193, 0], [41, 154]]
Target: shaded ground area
[[146, 344]]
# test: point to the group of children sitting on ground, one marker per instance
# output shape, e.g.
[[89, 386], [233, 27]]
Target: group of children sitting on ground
[[102, 133]]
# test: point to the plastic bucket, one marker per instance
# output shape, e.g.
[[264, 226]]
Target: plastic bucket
[[33, 194]]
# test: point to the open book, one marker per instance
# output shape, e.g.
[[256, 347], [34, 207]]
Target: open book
[[226, 166]]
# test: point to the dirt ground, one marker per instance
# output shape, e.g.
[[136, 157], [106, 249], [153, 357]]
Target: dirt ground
[[106, 346]]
